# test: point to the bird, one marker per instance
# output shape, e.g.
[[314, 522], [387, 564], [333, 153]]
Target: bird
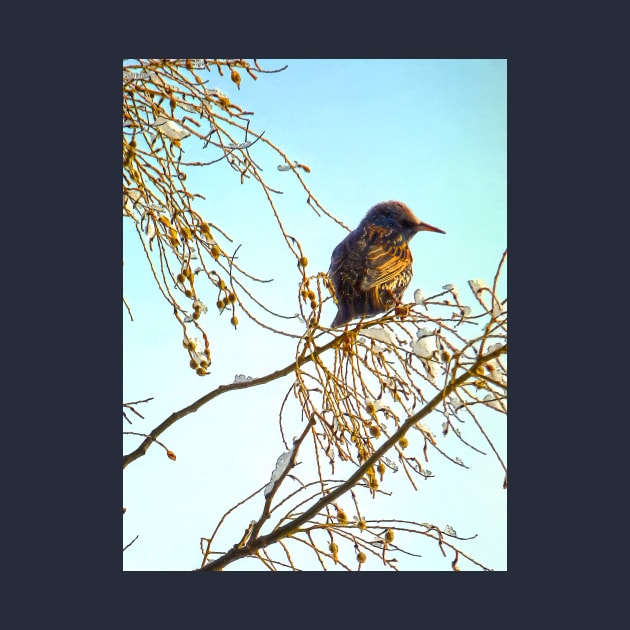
[[371, 268]]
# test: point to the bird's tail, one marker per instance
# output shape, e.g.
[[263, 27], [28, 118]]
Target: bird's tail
[[342, 317]]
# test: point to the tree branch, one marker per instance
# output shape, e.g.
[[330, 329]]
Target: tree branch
[[222, 389], [254, 545]]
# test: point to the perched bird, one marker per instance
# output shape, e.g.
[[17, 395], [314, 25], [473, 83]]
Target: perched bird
[[371, 267]]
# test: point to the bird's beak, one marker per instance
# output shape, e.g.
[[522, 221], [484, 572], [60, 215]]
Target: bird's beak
[[425, 227]]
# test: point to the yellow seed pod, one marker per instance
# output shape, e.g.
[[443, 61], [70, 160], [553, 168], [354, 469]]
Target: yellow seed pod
[[215, 252], [361, 557], [373, 483], [478, 370], [222, 286], [173, 234], [362, 525], [131, 151], [403, 442], [311, 295], [193, 364], [370, 408], [334, 549], [231, 297], [342, 518], [445, 356], [375, 431], [303, 261], [236, 77], [220, 304], [205, 228], [381, 469], [234, 321], [201, 371], [185, 232], [164, 221], [196, 315], [479, 384], [188, 293], [313, 304], [389, 535], [181, 278]]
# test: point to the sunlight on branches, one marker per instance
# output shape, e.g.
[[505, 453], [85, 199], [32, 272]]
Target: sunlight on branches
[[359, 397], [166, 107]]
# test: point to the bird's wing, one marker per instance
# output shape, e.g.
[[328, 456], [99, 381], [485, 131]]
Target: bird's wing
[[385, 261], [337, 258]]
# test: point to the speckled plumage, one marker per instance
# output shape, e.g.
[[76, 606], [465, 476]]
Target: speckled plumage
[[371, 267]]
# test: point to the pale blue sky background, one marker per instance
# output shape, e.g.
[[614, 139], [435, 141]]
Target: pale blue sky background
[[431, 133]]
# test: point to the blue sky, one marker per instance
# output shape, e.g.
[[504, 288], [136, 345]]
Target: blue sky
[[430, 133]]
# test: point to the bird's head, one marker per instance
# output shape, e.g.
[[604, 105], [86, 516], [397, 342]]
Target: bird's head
[[399, 217]]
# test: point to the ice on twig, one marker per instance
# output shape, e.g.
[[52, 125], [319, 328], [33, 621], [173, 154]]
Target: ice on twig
[[424, 347], [477, 285], [378, 334], [390, 464], [187, 106], [281, 467], [216, 92], [494, 403], [198, 305], [240, 145], [170, 128]]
